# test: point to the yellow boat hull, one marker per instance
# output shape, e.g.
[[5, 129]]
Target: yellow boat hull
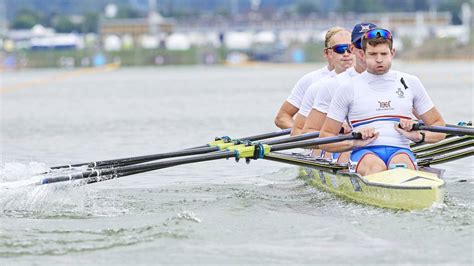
[[396, 189]]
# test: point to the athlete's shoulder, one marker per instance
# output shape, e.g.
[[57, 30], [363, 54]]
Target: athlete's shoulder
[[404, 75], [320, 73], [407, 79]]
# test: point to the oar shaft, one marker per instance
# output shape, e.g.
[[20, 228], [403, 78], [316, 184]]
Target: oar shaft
[[314, 142], [141, 159], [447, 130], [135, 169], [306, 136], [152, 157], [268, 135]]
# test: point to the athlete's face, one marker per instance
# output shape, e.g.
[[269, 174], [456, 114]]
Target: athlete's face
[[359, 57], [378, 58], [341, 62]]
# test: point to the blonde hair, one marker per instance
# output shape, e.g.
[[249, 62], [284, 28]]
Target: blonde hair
[[330, 33]]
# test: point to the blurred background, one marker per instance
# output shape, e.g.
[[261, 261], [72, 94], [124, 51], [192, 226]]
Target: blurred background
[[87, 33]]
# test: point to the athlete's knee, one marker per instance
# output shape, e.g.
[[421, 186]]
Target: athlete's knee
[[370, 164], [402, 159]]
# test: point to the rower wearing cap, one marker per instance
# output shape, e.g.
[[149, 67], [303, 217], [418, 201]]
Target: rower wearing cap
[[327, 87], [378, 103], [284, 117], [340, 56]]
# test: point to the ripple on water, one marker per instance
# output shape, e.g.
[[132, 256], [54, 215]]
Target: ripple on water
[[64, 241]]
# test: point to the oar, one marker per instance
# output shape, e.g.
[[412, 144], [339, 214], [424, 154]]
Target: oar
[[442, 144], [446, 157], [446, 149], [255, 151], [211, 147], [448, 130]]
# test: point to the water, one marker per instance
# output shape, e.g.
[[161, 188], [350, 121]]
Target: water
[[214, 212]]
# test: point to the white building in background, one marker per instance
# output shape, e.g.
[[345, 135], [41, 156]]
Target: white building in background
[[42, 38], [264, 37], [238, 40], [112, 43], [149, 41], [178, 42]]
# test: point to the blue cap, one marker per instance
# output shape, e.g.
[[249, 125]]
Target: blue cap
[[360, 29]]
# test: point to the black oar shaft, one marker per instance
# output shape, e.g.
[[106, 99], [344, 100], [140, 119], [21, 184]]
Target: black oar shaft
[[306, 136], [144, 158], [447, 130], [314, 142], [152, 157], [139, 168], [268, 135]]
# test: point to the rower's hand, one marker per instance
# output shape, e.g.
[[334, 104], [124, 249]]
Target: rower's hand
[[405, 128], [368, 136], [347, 129]]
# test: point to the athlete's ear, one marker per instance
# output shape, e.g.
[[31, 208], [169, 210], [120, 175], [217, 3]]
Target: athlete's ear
[[393, 52], [325, 52]]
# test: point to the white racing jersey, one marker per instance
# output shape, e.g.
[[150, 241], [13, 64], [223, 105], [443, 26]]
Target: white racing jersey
[[298, 91], [310, 95], [380, 101], [328, 87]]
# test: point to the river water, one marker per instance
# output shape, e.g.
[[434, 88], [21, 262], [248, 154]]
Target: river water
[[218, 212]]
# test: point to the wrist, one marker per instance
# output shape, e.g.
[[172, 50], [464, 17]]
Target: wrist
[[421, 138], [353, 144]]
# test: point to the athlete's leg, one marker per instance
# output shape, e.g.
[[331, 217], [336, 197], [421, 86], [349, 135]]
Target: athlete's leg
[[370, 164], [405, 157], [366, 161], [343, 157]]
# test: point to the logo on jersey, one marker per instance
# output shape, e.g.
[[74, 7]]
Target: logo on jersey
[[403, 83], [400, 93], [384, 106]]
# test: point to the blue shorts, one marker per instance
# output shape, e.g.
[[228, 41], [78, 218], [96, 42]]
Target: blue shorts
[[385, 153]]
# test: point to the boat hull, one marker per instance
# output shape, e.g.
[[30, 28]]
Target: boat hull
[[396, 189]]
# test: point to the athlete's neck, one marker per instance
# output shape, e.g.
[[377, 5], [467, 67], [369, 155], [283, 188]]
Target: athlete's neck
[[376, 74], [359, 68]]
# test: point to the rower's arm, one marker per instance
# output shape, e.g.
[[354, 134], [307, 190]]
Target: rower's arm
[[314, 121], [284, 117], [433, 118], [331, 128], [298, 124]]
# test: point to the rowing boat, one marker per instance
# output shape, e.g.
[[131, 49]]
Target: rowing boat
[[398, 188]]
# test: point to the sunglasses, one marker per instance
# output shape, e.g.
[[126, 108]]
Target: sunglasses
[[341, 48], [372, 34]]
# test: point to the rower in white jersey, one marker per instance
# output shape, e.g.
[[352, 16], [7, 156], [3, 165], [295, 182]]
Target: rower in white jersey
[[284, 117], [340, 56], [326, 88], [377, 103]]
